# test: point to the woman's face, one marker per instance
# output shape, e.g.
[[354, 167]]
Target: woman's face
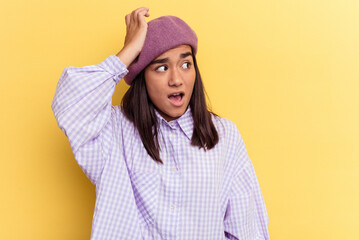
[[169, 80]]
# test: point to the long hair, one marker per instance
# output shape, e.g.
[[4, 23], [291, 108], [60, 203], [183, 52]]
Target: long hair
[[139, 109]]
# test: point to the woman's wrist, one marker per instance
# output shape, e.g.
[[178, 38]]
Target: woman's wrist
[[127, 55]]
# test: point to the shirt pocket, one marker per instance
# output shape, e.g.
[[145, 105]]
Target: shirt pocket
[[146, 185]]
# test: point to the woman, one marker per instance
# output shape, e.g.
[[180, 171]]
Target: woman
[[163, 165]]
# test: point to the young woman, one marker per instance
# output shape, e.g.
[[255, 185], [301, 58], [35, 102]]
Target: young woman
[[163, 165]]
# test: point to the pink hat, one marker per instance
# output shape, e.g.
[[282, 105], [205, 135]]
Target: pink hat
[[163, 33]]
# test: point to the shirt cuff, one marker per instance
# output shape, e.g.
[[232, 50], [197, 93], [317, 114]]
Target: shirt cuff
[[113, 65]]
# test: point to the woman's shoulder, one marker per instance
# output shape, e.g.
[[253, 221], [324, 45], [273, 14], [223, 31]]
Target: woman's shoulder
[[227, 131], [232, 141], [224, 125]]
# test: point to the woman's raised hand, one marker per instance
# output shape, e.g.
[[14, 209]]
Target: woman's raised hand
[[136, 29]]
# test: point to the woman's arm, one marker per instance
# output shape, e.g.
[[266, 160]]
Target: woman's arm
[[246, 215], [82, 104]]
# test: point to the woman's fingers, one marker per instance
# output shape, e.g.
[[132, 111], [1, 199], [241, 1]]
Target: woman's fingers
[[141, 16], [138, 16], [127, 20]]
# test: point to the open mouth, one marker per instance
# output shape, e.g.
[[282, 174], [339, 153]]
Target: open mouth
[[176, 98]]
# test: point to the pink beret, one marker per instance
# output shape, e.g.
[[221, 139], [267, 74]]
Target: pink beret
[[163, 33]]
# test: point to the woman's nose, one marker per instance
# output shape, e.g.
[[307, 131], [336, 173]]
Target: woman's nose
[[175, 78]]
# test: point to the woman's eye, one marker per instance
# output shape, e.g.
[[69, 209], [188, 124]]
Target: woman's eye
[[186, 65], [161, 69]]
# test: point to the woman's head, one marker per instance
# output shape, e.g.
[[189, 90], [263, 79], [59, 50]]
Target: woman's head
[[166, 77], [163, 33]]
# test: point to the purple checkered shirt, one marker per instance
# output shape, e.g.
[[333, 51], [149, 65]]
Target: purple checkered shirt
[[194, 195]]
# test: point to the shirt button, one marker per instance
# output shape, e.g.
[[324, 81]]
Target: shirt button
[[173, 207], [171, 135], [174, 169]]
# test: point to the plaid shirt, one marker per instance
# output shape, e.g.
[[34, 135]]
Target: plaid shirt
[[194, 195]]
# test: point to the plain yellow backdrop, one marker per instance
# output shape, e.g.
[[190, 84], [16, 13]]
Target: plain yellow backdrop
[[285, 71]]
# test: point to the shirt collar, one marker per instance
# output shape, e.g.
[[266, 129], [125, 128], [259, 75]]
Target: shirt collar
[[185, 122]]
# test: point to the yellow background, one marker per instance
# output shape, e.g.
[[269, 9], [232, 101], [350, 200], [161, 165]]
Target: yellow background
[[285, 71]]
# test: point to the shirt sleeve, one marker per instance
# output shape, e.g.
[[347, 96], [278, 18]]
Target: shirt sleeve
[[82, 106], [246, 215]]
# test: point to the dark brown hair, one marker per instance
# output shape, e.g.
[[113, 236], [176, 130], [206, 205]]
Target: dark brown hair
[[139, 109]]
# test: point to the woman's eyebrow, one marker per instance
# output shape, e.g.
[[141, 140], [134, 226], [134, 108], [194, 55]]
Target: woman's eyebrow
[[163, 60], [183, 55]]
